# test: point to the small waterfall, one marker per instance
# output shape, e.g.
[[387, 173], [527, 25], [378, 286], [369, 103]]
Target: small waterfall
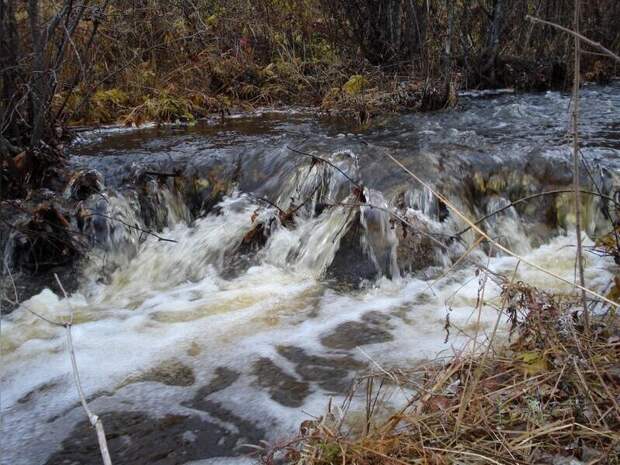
[[189, 255], [424, 201], [506, 226], [379, 241], [316, 239], [317, 184], [265, 307], [312, 245]]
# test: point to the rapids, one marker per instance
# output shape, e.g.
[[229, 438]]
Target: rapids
[[225, 334]]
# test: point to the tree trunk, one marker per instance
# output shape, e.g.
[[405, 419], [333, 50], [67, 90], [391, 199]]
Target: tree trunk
[[9, 51], [37, 96], [493, 40]]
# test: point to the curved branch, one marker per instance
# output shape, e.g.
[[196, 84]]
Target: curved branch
[[315, 157], [530, 197], [594, 44]]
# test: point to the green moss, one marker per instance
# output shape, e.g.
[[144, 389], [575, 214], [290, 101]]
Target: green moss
[[496, 183], [479, 182], [355, 84]]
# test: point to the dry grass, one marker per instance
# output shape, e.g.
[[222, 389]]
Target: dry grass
[[550, 395]]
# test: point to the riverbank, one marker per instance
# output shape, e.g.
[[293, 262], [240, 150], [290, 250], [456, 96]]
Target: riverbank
[[548, 396], [353, 92]]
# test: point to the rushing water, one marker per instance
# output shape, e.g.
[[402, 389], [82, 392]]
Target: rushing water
[[190, 349]]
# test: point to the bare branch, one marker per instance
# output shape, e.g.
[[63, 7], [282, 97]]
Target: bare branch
[[496, 244], [530, 197], [594, 44]]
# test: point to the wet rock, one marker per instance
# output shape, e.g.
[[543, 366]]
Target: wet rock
[[204, 191], [224, 377], [83, 184], [36, 392], [170, 372], [77, 404], [351, 264], [194, 349], [282, 387], [376, 318], [299, 356], [245, 255], [246, 431], [351, 334], [134, 438], [153, 202], [334, 374]]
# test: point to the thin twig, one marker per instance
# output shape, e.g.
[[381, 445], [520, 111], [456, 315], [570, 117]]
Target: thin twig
[[577, 163], [137, 228]]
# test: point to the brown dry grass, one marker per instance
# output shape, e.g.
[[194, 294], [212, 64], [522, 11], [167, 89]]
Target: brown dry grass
[[550, 395]]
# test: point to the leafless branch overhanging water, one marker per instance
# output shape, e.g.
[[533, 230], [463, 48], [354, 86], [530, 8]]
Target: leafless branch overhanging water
[[130, 226], [493, 242], [576, 34], [533, 196]]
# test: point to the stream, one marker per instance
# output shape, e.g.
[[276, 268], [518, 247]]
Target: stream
[[273, 289]]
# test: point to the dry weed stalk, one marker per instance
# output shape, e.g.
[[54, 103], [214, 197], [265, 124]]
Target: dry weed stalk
[[577, 161]]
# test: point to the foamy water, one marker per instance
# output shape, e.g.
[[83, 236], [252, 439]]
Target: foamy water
[[143, 302], [170, 300]]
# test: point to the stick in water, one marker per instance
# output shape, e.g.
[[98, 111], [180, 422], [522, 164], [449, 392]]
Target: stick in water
[[94, 419]]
